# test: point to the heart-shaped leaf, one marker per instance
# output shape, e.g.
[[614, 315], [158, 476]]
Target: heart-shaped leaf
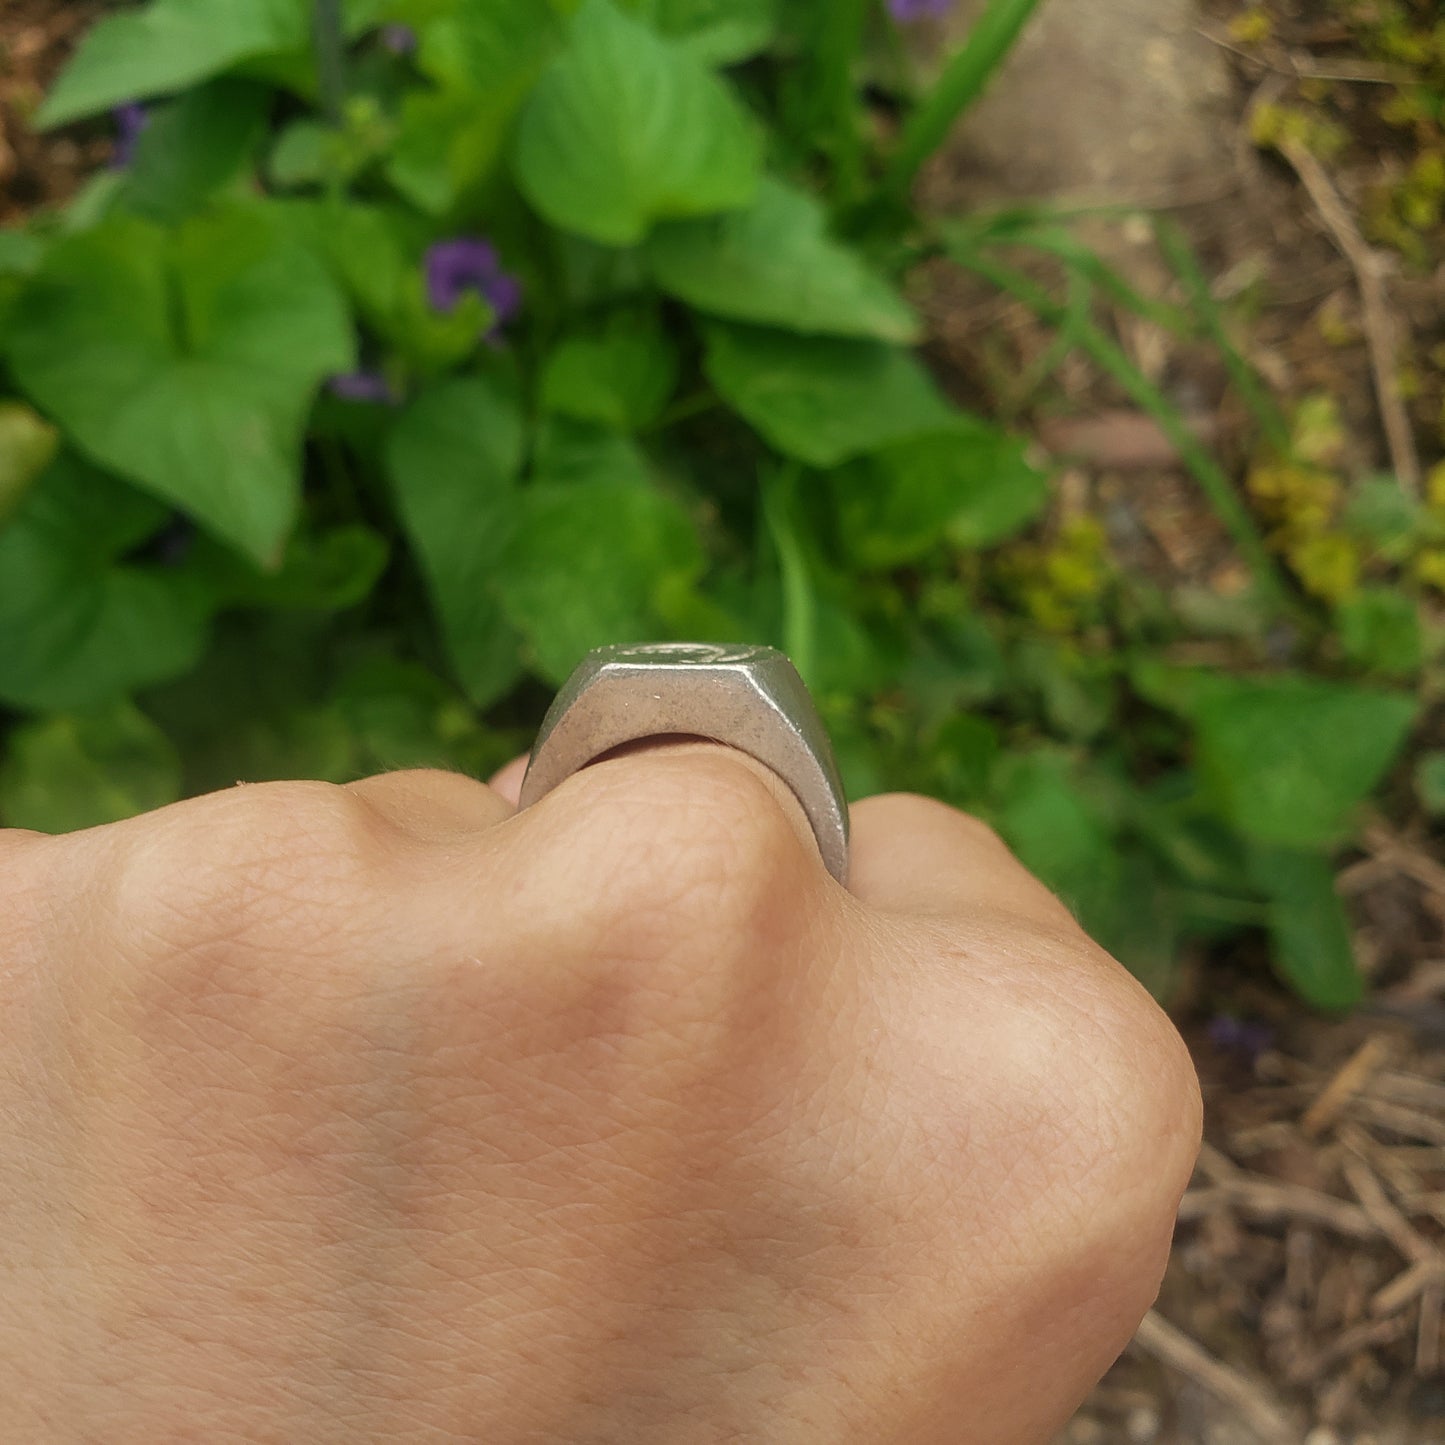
[[619, 373], [625, 129], [719, 31], [970, 485], [775, 263], [1309, 929], [79, 624], [1289, 758], [820, 399], [588, 564], [454, 459], [188, 361], [169, 45]]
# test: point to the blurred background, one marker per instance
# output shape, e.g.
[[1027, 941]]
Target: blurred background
[[1062, 384]]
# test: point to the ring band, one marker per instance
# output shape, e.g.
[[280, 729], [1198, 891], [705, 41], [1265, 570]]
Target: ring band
[[748, 698]]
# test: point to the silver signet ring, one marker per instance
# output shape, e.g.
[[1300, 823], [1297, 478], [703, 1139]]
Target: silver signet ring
[[749, 698]]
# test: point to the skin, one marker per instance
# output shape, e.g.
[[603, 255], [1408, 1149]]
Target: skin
[[387, 1113]]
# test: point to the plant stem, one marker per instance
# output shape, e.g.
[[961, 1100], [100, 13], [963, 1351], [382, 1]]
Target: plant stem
[[963, 81], [331, 59], [799, 613], [840, 35]]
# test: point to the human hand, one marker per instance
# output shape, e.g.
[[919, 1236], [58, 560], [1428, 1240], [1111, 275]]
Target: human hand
[[381, 1113]]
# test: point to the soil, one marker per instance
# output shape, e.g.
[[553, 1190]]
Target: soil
[[1303, 1305], [38, 171]]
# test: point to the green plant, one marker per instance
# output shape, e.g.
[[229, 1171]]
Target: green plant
[[417, 346]]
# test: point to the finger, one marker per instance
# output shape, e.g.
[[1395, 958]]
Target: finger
[[432, 805], [679, 769], [508, 782], [914, 855], [670, 831]]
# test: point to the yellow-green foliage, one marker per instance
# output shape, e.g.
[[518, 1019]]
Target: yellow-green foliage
[[1061, 584]]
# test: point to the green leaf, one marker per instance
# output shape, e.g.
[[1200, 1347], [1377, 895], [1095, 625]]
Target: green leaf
[[454, 460], [1382, 514], [490, 46], [1430, 783], [300, 154], [969, 485], [168, 46], [619, 374], [587, 564], [484, 56], [79, 625], [194, 147], [1046, 819], [568, 451], [1288, 759], [20, 253], [776, 264], [821, 400], [1379, 629], [1309, 929], [20, 257], [721, 32], [962, 752], [188, 361], [28, 444], [625, 129], [403, 716], [1076, 690], [446, 141], [323, 572], [65, 773]]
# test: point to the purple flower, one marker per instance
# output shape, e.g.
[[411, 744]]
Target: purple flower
[[131, 121], [365, 386], [910, 12], [1239, 1036], [471, 263], [399, 39]]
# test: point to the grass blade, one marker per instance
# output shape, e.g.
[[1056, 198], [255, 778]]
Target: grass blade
[[1180, 256], [800, 629], [961, 84]]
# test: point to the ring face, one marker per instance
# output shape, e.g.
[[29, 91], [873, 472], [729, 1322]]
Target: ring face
[[749, 698]]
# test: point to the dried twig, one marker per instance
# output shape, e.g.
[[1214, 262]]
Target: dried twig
[[1410, 860], [1381, 332], [1416, 1280], [1380, 1207], [1427, 1341], [1349, 1079], [1301, 65], [1215, 1165], [1408, 1123], [1358, 1337], [1432, 1204], [1410, 1089], [1268, 1200], [1177, 1350]]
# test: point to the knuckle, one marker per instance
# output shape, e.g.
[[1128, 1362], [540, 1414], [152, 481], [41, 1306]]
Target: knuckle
[[683, 891], [1125, 1110], [695, 847], [266, 869], [1087, 1107]]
